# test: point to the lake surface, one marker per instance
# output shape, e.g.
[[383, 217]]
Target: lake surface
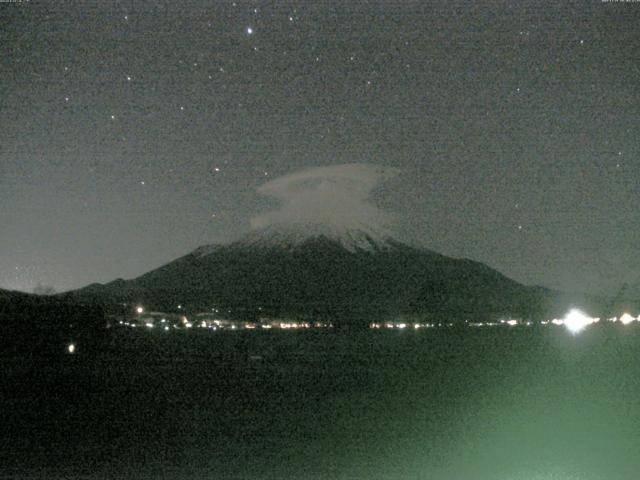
[[496, 403]]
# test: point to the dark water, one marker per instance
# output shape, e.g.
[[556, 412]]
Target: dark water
[[504, 404]]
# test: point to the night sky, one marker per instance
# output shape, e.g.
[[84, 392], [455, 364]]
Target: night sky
[[133, 132]]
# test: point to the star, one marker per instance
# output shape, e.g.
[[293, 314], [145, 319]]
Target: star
[[128, 78], [113, 117], [249, 31]]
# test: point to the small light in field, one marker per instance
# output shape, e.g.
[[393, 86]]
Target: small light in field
[[149, 325], [139, 310], [71, 348], [188, 324]]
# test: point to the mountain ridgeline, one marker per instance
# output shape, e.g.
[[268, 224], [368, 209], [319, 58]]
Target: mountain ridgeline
[[351, 278]]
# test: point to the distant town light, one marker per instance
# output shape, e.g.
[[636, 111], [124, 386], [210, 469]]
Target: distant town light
[[139, 309], [626, 319], [576, 321], [149, 325], [71, 348]]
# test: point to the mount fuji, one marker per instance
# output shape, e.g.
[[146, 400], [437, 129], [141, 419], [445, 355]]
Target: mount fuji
[[350, 274]]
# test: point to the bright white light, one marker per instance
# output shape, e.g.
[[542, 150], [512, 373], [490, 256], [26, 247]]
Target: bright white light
[[149, 325], [249, 30], [576, 321], [626, 319], [512, 323], [140, 310], [71, 348], [188, 324], [402, 325], [166, 328]]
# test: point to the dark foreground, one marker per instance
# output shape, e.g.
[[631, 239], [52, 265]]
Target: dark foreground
[[504, 404]]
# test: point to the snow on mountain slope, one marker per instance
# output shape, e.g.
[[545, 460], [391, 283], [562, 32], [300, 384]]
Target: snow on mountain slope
[[290, 237]]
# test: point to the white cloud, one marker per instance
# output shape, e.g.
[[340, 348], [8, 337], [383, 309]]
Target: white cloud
[[338, 197]]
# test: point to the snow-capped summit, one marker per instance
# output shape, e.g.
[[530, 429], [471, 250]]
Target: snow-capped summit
[[292, 236]]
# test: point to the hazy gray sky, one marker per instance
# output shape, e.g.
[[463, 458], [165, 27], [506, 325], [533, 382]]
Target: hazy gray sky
[[133, 132]]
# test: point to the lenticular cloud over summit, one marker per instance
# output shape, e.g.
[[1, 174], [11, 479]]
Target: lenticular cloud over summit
[[337, 197]]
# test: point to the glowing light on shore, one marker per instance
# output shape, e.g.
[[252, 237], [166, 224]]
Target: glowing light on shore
[[576, 321]]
